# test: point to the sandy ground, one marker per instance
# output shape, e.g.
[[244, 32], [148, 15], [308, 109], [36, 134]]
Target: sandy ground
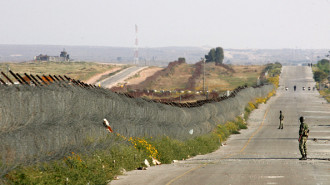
[[98, 76], [144, 74]]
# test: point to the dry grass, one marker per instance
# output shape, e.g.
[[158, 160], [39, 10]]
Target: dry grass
[[325, 94], [216, 77], [176, 79], [220, 79], [77, 70]]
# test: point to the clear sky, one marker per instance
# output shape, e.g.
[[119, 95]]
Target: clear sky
[[258, 24]]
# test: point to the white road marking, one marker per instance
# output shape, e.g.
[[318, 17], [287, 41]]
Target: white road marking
[[320, 117], [272, 177], [326, 112]]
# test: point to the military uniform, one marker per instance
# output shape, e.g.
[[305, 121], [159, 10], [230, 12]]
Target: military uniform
[[303, 135], [281, 120]]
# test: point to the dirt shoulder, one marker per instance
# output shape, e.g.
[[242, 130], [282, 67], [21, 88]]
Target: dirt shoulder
[[143, 75], [94, 78]]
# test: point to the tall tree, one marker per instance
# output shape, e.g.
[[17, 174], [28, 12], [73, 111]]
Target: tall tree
[[219, 55], [211, 56], [319, 76], [215, 55]]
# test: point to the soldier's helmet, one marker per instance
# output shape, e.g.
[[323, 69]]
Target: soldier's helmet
[[302, 119]]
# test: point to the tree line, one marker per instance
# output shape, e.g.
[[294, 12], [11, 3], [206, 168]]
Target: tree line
[[322, 71]]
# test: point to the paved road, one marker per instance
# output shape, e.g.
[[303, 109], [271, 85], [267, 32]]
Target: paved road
[[261, 154], [120, 77]]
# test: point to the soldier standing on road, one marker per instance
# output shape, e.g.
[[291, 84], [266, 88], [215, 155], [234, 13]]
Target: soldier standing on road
[[281, 120], [303, 135]]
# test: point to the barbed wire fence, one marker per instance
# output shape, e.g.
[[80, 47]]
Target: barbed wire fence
[[42, 123]]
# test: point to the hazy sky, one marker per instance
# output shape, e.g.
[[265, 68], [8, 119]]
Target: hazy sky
[[270, 24]]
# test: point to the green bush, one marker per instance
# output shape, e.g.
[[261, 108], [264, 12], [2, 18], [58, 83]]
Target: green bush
[[273, 69], [325, 94], [76, 169], [320, 76], [323, 65], [241, 123], [172, 149]]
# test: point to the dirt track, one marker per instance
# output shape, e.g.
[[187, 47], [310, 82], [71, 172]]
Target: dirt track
[[144, 74], [98, 76]]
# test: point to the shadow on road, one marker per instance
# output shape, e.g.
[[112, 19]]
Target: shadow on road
[[275, 158], [278, 138], [309, 139]]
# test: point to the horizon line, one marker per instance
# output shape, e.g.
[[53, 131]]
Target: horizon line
[[173, 46]]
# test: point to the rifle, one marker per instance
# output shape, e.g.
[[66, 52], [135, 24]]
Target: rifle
[[299, 138], [304, 134]]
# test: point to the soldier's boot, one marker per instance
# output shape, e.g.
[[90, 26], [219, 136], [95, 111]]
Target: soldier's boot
[[305, 157]]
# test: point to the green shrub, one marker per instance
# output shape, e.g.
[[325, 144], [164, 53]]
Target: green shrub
[[241, 123], [75, 169]]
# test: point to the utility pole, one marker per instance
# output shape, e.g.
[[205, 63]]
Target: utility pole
[[136, 48], [328, 56]]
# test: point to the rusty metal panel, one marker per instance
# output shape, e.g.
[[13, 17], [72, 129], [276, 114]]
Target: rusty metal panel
[[23, 80], [30, 79], [45, 82], [35, 79], [50, 76], [16, 77]]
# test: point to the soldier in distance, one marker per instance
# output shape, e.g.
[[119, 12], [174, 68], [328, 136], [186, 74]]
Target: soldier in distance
[[303, 135], [281, 120]]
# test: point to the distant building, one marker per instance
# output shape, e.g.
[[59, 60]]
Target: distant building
[[64, 57]]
